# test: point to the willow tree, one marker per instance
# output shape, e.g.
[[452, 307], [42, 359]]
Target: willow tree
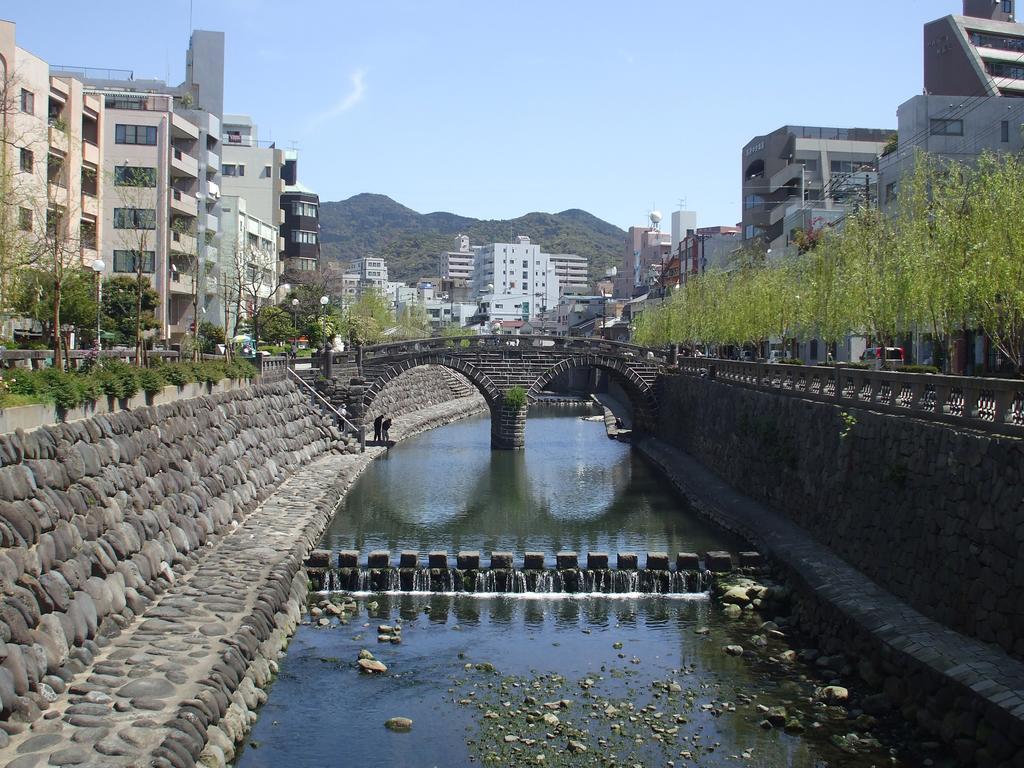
[[997, 221]]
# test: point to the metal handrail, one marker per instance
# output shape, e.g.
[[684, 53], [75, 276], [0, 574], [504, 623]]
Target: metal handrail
[[352, 427]]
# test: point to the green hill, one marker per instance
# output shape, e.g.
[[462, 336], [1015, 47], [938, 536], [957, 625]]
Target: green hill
[[375, 225]]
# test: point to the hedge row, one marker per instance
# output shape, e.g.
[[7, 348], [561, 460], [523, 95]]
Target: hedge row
[[113, 378]]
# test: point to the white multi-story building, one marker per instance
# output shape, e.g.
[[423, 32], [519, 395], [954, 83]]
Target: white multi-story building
[[515, 278], [572, 272], [373, 273], [458, 263], [251, 266]]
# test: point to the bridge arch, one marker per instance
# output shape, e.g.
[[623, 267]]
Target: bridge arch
[[639, 392], [480, 380]]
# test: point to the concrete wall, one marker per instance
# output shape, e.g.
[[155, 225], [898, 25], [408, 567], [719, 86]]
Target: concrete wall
[[931, 513], [98, 516]]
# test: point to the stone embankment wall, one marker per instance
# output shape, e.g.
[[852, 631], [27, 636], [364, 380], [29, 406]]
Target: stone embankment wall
[[422, 387], [931, 513], [99, 516]]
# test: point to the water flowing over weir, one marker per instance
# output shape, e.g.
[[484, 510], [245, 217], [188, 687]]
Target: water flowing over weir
[[511, 581]]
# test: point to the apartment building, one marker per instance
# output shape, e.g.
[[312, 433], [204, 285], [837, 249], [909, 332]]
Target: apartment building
[[160, 179], [373, 274], [572, 272], [517, 278], [980, 53], [458, 264], [50, 161], [707, 249], [300, 230], [645, 250], [249, 245], [799, 174]]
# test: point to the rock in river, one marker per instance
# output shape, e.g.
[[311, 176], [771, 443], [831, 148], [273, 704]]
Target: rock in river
[[399, 723]]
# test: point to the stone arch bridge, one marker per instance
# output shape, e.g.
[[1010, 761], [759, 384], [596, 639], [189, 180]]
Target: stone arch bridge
[[496, 364]]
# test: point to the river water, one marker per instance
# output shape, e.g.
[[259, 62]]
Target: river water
[[632, 680]]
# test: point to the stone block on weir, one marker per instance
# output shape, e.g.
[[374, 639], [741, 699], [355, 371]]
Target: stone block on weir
[[533, 561], [437, 560], [501, 560], [750, 559], [597, 561], [565, 561], [467, 561], [409, 559], [718, 562], [627, 561], [348, 558], [380, 558], [319, 558], [657, 561], [687, 561]]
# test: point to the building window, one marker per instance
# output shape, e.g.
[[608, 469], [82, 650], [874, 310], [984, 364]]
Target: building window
[[230, 169], [27, 162], [134, 218], [1008, 7], [135, 134], [890, 192], [124, 261], [268, 171], [304, 209], [526, 275], [943, 127], [851, 166], [301, 236], [1002, 69], [134, 176], [234, 137], [125, 101], [28, 102], [753, 201], [25, 219]]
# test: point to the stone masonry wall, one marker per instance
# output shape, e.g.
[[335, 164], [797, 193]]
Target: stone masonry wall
[[933, 514], [98, 516], [421, 387]]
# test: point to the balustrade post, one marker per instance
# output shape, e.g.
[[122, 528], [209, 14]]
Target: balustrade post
[[1003, 406], [972, 396]]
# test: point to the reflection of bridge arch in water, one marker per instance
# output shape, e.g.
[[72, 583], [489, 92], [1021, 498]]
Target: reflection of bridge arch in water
[[496, 364]]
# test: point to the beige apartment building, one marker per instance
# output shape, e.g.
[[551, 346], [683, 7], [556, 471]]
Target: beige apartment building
[[50, 166]]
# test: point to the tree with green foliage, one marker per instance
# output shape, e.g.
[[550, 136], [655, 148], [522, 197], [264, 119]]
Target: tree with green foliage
[[34, 299], [126, 313], [276, 325], [210, 335]]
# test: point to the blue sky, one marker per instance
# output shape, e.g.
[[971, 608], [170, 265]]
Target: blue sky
[[495, 109]]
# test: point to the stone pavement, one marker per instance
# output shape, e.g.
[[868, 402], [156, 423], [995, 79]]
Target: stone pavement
[[976, 669], [147, 696]]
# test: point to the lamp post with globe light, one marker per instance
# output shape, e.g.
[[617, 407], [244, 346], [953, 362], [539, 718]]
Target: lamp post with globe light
[[97, 267], [327, 364]]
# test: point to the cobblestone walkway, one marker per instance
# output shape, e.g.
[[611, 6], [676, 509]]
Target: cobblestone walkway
[[980, 668], [116, 711]]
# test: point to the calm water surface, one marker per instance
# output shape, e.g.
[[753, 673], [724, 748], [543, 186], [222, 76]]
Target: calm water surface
[[571, 489]]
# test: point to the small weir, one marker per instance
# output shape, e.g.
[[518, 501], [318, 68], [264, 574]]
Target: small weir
[[692, 574]]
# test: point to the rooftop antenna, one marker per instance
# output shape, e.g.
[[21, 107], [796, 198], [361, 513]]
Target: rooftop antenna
[[190, 18], [682, 203]]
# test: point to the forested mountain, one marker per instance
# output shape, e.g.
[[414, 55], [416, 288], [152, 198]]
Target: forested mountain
[[375, 225]]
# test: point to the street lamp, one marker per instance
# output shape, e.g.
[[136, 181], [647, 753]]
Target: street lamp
[[98, 266], [324, 300], [295, 320]]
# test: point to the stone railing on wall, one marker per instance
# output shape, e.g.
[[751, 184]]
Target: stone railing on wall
[[931, 513], [97, 516], [43, 358], [995, 405]]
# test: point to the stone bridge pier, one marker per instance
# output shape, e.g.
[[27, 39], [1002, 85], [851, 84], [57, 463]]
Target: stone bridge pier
[[509, 371]]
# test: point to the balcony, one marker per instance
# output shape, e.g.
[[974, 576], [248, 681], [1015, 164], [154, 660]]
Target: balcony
[[212, 223], [181, 284], [181, 128], [58, 137], [90, 153], [183, 203], [213, 190], [90, 205], [210, 253], [212, 163], [184, 165], [183, 243]]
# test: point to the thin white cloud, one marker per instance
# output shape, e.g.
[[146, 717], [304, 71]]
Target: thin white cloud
[[353, 97]]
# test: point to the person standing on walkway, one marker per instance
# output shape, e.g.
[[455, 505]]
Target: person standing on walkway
[[386, 426], [377, 423]]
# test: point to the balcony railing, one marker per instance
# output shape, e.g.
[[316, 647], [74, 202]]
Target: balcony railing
[[995, 405]]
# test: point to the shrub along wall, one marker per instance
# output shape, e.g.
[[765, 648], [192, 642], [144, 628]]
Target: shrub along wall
[[932, 513], [95, 513]]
